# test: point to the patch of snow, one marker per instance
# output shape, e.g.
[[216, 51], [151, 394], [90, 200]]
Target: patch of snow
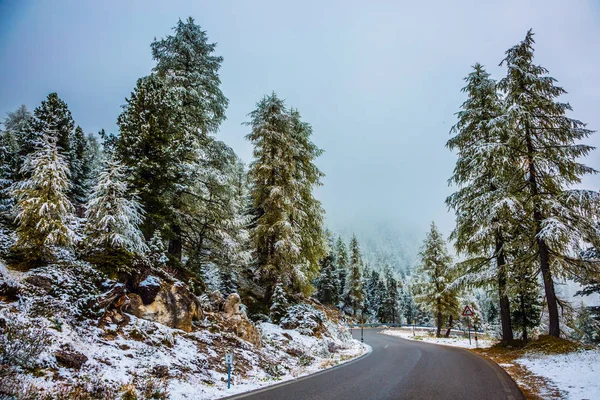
[[453, 340], [576, 374], [150, 281]]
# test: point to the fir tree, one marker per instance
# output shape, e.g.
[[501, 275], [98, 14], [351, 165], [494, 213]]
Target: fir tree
[[279, 303], [543, 141], [187, 62], [435, 273], [353, 297], [374, 294], [44, 212], [20, 124], [54, 118], [342, 263], [9, 168], [327, 284], [391, 297], [80, 168], [287, 233], [112, 231], [485, 212]]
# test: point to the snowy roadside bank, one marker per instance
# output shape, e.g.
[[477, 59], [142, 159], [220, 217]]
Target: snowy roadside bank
[[426, 336]]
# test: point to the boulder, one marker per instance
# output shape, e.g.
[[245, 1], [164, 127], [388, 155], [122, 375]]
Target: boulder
[[149, 288], [39, 281], [216, 300], [70, 359], [235, 321], [174, 305]]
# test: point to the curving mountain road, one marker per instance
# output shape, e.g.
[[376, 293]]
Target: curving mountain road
[[401, 369]]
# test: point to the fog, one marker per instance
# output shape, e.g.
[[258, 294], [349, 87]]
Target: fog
[[379, 81]]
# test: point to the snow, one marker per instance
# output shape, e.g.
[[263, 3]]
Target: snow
[[150, 281], [426, 335], [575, 374]]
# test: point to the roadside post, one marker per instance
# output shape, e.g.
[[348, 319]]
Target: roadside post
[[468, 312], [413, 327], [362, 325], [228, 361]]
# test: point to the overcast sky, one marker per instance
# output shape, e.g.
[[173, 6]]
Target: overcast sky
[[379, 80]]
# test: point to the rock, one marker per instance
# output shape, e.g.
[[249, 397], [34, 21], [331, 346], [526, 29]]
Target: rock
[[160, 371], [232, 305], [216, 300], [235, 321], [42, 282], [174, 305], [70, 359], [149, 288]]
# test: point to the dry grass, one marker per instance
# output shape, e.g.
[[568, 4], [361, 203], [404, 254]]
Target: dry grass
[[534, 387]]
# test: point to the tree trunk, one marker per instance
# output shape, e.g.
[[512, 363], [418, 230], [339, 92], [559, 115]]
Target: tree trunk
[[553, 326], [176, 244], [507, 332], [524, 318], [450, 321], [438, 333]]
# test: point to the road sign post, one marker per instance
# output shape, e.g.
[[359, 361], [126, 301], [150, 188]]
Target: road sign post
[[413, 327], [228, 361], [362, 325], [468, 312]]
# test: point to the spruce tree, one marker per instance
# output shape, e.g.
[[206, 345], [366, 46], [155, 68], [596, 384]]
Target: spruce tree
[[287, 234], [544, 143], [527, 302], [20, 124], [433, 289], [113, 217], [9, 168], [80, 169], [342, 262], [279, 303], [391, 297], [484, 205], [53, 117], [44, 212], [374, 294], [187, 62], [353, 297], [327, 284]]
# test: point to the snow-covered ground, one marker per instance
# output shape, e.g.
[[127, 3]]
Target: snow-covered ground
[[427, 336], [138, 355], [576, 375]]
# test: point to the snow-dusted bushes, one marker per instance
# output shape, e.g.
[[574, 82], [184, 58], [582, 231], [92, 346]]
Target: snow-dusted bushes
[[305, 319], [22, 340]]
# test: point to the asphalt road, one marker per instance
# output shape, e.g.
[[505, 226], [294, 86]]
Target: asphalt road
[[401, 369]]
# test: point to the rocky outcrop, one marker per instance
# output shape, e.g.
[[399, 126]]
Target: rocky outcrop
[[70, 359], [172, 305], [236, 321]]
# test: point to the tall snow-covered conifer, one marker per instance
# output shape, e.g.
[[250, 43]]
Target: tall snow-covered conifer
[[486, 212], [112, 230], [353, 297], [545, 144], [287, 216], [434, 278], [44, 212]]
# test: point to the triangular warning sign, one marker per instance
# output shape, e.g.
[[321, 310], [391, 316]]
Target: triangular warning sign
[[468, 312]]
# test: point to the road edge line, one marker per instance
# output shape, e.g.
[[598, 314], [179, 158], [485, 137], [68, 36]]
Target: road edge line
[[301, 378]]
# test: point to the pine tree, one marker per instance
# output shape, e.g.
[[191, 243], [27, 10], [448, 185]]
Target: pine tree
[[80, 169], [353, 297], [374, 294], [279, 303], [112, 231], [44, 212], [54, 117], [20, 124], [287, 234], [187, 62], [9, 167], [342, 263], [150, 146], [485, 212], [527, 302], [391, 297], [543, 141], [433, 290], [327, 284]]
